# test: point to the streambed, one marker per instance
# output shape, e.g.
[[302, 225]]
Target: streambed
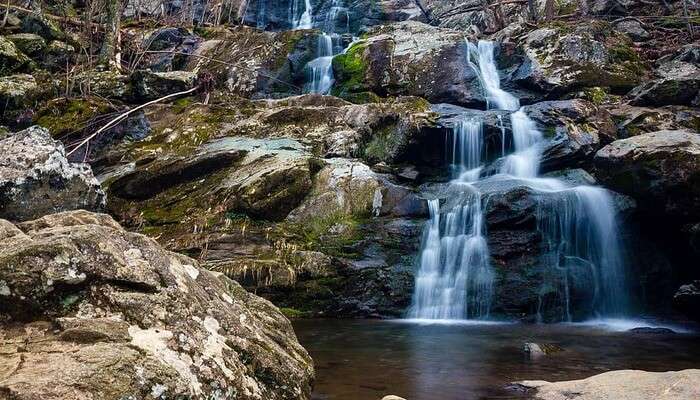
[[368, 359]]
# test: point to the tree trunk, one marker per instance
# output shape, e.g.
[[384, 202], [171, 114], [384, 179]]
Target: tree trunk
[[109, 52]]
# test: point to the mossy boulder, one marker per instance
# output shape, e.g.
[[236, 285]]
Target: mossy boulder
[[11, 58], [678, 83], [105, 83], [562, 58], [409, 58], [17, 92], [274, 69], [42, 26], [28, 43], [64, 117]]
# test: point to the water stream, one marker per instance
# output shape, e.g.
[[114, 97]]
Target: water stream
[[580, 248]]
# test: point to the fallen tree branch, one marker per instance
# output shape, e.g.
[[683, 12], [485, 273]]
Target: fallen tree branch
[[123, 115], [72, 21]]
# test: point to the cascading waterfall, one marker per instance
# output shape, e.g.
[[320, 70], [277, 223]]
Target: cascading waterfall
[[321, 68], [455, 280], [581, 251], [301, 19]]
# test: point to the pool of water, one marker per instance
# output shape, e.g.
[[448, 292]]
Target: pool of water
[[368, 359]]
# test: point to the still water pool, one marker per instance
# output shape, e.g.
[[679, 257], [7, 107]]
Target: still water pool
[[367, 359]]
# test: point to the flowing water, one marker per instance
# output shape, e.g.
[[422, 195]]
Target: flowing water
[[321, 68], [580, 251], [368, 359], [301, 14]]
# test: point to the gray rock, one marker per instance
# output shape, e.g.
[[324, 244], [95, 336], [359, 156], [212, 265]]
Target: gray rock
[[661, 170], [36, 178], [678, 83], [17, 91], [633, 29], [538, 350], [575, 130], [114, 315], [347, 187], [409, 58], [687, 299], [11, 58], [557, 61], [621, 385], [150, 85]]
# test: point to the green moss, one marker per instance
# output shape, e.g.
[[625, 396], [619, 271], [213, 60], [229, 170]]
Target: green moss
[[293, 313], [382, 144], [350, 70], [181, 104], [315, 234], [64, 117]]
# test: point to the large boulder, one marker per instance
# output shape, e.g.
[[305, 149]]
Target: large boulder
[[574, 129], [560, 59], [678, 82], [37, 179], [98, 312], [17, 92], [347, 187], [274, 69], [409, 58], [621, 385], [661, 170], [634, 120]]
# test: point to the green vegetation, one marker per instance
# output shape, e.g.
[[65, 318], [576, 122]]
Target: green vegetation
[[350, 70], [68, 116]]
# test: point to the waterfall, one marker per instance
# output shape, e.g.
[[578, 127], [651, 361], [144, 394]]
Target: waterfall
[[304, 19], [581, 251], [321, 68], [455, 279]]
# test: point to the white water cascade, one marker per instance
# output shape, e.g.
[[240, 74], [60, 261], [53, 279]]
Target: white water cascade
[[301, 19], [455, 280], [321, 68], [580, 247]]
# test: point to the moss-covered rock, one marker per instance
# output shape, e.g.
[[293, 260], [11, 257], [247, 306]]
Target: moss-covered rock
[[114, 315], [17, 91], [678, 83], [28, 43], [64, 117], [274, 69], [11, 58], [561, 58], [409, 58]]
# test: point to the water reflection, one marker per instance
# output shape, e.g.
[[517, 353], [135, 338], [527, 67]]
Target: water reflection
[[361, 359]]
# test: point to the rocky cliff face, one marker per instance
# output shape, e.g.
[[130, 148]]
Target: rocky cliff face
[[318, 201]]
